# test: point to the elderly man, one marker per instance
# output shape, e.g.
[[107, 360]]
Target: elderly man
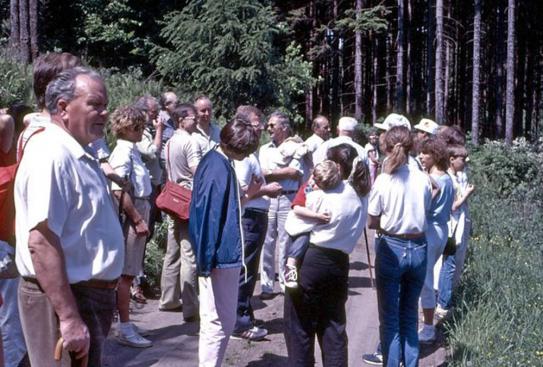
[[345, 130], [289, 178], [70, 246], [255, 223], [321, 133], [208, 133], [168, 101]]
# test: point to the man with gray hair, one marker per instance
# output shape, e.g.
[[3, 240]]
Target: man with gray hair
[[289, 178], [321, 133], [346, 127], [70, 246]]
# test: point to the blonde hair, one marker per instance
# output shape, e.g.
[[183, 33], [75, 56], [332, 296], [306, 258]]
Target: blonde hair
[[326, 175], [397, 142], [126, 117]]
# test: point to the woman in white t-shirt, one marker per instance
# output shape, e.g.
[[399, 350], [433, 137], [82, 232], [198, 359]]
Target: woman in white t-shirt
[[397, 209]]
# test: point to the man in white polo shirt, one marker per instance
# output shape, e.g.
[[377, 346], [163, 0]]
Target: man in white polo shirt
[[70, 247], [345, 131]]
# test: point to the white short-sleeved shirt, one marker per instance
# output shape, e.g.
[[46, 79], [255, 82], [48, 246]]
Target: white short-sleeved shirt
[[320, 153], [60, 181], [314, 142], [245, 170], [126, 161], [100, 149], [269, 155], [207, 142], [348, 214], [150, 156], [402, 200], [182, 153]]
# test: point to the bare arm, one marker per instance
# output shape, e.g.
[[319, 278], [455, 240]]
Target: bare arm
[[128, 207], [7, 129], [49, 264], [304, 212], [374, 222], [113, 176], [287, 173], [461, 200]]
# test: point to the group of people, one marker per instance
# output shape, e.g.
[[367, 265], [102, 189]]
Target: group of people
[[290, 210]]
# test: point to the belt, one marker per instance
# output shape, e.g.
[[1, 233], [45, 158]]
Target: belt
[[288, 192], [404, 236], [91, 283], [256, 210]]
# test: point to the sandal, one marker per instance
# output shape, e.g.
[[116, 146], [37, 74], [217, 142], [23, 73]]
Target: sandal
[[137, 295]]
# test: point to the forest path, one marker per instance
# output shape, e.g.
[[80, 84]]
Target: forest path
[[176, 343]]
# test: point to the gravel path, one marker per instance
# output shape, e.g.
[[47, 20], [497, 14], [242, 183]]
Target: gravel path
[[176, 342]]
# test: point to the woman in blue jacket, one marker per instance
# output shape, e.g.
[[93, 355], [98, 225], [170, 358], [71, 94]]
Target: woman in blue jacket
[[215, 230]]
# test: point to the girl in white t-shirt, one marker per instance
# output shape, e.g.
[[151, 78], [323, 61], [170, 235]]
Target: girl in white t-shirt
[[397, 210]]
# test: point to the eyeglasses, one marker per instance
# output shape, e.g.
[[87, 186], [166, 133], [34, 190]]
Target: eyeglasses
[[190, 118]]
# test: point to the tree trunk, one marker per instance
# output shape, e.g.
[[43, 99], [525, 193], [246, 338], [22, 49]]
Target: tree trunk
[[439, 63], [475, 95], [388, 73], [430, 61], [14, 28], [410, 61], [33, 18], [358, 67], [24, 36], [510, 86], [375, 96], [399, 104]]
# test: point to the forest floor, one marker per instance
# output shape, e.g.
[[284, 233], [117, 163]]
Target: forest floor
[[176, 342]]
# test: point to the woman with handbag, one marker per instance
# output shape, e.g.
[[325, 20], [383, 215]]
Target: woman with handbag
[[127, 124], [179, 279]]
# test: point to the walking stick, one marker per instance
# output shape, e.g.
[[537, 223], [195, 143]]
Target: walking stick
[[369, 258], [83, 362]]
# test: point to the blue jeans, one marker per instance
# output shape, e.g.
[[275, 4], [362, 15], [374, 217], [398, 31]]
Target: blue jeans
[[298, 246], [446, 279], [400, 268]]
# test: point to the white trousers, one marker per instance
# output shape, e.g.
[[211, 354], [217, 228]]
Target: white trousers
[[275, 235], [436, 237], [218, 304]]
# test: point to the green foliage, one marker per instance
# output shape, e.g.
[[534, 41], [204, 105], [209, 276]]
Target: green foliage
[[498, 321], [16, 83], [154, 254], [368, 20], [226, 50]]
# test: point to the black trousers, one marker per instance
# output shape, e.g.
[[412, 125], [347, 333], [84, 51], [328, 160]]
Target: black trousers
[[254, 224], [317, 307]]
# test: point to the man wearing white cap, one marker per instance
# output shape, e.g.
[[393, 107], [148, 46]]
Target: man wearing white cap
[[426, 128], [345, 131], [393, 120]]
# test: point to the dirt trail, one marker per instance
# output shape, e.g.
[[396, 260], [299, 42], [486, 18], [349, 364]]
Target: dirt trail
[[176, 343]]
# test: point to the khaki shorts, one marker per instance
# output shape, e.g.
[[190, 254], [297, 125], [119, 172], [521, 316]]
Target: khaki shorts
[[135, 245]]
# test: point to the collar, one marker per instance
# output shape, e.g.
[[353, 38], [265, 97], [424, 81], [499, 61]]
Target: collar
[[75, 149]]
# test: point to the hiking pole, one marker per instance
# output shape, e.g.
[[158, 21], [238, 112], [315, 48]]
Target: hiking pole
[[369, 258]]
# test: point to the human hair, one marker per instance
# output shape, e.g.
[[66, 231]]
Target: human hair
[[239, 136], [452, 135], [316, 121], [457, 151], [326, 175], [245, 112], [282, 118], [182, 111], [126, 117], [397, 143], [163, 99], [202, 97], [64, 85], [143, 102], [344, 155], [437, 148], [46, 68]]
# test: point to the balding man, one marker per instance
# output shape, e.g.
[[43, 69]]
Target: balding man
[[345, 130], [70, 246], [207, 133], [321, 133]]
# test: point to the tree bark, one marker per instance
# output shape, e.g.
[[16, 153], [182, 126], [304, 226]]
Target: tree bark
[[375, 96], [475, 95], [358, 67], [14, 28], [510, 86], [33, 20], [430, 61], [439, 63], [24, 36], [400, 88]]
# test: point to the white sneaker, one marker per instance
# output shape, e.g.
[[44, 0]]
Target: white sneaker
[[254, 334], [441, 313], [130, 337], [427, 335]]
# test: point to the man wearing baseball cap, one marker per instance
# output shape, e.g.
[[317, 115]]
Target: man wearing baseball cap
[[392, 120], [345, 131], [426, 128]]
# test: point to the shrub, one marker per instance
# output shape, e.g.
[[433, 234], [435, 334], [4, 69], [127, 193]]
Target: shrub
[[16, 83], [499, 316]]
